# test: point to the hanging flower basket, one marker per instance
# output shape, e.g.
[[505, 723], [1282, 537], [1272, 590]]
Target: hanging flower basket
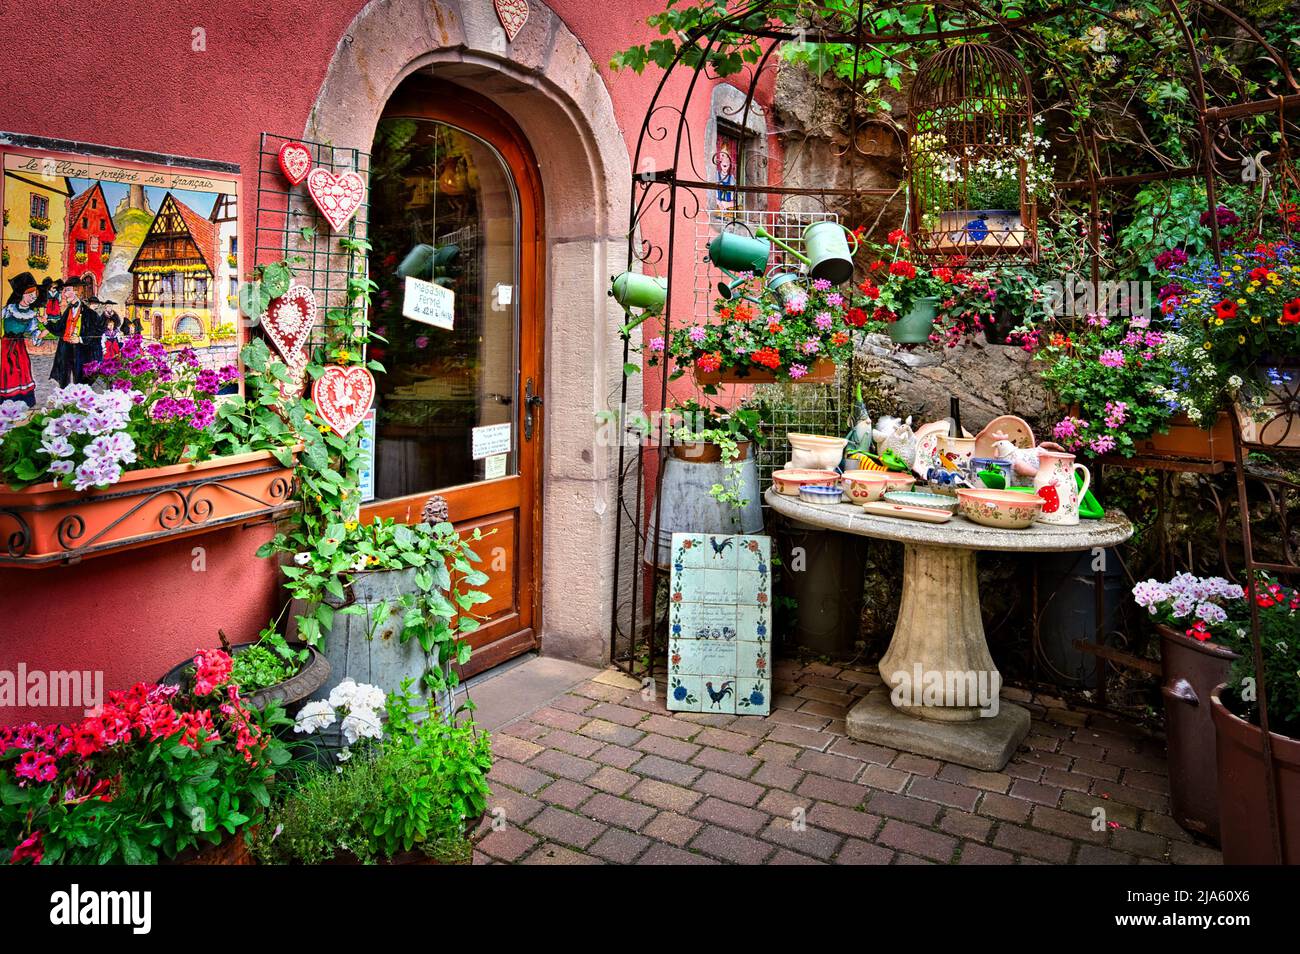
[[821, 371], [42, 526]]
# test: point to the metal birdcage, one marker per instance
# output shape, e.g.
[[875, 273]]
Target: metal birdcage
[[973, 157]]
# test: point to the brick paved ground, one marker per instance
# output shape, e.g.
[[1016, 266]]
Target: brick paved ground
[[601, 775]]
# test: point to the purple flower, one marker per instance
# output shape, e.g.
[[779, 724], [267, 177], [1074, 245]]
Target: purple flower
[[835, 299], [657, 344], [697, 334], [823, 320], [821, 284], [207, 382], [797, 371], [1103, 445]]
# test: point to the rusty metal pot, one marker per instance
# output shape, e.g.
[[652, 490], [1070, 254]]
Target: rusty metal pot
[[1243, 793], [1189, 672]]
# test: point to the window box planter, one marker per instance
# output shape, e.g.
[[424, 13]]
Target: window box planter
[[1243, 792], [43, 525], [822, 371], [1186, 439]]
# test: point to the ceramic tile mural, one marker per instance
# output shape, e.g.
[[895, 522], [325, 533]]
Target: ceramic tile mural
[[720, 624]]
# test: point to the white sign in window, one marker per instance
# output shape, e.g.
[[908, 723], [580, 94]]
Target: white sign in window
[[490, 440], [428, 302]]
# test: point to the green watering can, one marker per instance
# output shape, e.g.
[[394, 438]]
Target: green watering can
[[635, 290], [826, 250]]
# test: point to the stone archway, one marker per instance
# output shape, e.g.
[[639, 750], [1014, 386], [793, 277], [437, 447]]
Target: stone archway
[[551, 88]]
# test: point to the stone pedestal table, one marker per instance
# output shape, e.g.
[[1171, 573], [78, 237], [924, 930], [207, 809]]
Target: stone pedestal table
[[941, 687]]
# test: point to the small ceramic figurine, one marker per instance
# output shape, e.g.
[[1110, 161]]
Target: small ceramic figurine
[[902, 441], [886, 426]]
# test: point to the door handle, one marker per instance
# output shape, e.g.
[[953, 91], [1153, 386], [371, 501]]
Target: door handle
[[531, 401]]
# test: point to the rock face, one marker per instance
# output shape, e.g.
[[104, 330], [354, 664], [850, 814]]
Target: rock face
[[990, 380]]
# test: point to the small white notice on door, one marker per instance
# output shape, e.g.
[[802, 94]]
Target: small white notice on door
[[495, 466], [428, 302], [490, 440]]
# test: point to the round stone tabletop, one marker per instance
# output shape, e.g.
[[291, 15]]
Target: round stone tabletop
[[958, 532]]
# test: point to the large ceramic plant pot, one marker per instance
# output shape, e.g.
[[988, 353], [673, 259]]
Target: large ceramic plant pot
[[43, 525], [315, 672], [1190, 670], [1243, 792], [914, 326], [821, 371]]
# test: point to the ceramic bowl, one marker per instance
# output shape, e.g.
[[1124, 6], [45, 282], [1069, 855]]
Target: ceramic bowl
[[819, 494], [1004, 509], [868, 486], [812, 452], [918, 499], [788, 482], [994, 465]]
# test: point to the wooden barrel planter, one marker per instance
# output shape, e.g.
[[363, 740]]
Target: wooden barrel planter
[[44, 525]]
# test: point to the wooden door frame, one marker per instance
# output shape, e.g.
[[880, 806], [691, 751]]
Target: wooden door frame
[[429, 98]]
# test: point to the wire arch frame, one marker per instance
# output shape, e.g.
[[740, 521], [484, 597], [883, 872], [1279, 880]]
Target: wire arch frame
[[671, 186]]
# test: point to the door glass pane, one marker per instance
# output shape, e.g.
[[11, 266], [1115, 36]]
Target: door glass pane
[[443, 210]]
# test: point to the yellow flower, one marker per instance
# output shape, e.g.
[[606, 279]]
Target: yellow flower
[[1218, 321], [345, 495], [1241, 339], [1255, 319], [344, 354], [1207, 346], [352, 524]]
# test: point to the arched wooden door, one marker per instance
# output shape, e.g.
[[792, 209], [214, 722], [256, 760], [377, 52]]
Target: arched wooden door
[[456, 201]]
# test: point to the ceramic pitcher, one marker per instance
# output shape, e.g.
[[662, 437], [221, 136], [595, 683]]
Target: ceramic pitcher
[[1055, 483]]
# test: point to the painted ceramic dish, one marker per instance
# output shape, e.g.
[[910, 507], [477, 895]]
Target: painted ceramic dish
[[1015, 429], [909, 498], [819, 494], [927, 445], [868, 486], [1004, 509], [925, 514], [788, 482]]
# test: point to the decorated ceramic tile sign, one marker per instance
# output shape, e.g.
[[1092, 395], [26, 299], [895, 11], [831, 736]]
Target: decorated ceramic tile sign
[[720, 624]]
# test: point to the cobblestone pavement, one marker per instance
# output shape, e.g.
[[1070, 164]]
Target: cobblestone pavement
[[602, 775]]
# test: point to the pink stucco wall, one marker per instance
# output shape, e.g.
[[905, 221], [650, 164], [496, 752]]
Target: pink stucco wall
[[130, 76]]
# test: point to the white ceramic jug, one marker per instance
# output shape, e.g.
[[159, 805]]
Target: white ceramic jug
[[1056, 485]]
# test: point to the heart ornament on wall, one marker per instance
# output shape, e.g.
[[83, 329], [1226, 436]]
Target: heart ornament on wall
[[343, 395], [337, 196], [513, 14], [288, 322], [295, 161]]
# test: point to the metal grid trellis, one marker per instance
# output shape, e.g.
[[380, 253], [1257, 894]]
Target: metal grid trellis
[[287, 224]]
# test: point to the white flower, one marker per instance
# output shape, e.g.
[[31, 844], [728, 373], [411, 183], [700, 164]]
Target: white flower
[[368, 697], [302, 559], [361, 724], [313, 716], [341, 695], [345, 754], [1234, 382]]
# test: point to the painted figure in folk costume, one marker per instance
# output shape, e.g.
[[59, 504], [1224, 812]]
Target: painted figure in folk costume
[[79, 331], [16, 382]]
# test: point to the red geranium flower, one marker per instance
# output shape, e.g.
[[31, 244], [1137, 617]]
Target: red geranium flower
[[898, 237], [1226, 309], [28, 849], [856, 317], [768, 357], [906, 269], [708, 363], [1291, 312]]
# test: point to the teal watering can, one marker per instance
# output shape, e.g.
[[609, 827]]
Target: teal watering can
[[733, 252]]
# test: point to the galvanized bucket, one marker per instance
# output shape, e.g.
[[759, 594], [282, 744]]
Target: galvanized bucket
[[686, 506]]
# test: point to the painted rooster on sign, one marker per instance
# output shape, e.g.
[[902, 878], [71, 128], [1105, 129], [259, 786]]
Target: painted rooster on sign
[[720, 694]]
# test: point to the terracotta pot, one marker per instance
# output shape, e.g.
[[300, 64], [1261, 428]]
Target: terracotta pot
[[1186, 439], [44, 525], [1190, 671], [822, 371], [705, 453], [1243, 793]]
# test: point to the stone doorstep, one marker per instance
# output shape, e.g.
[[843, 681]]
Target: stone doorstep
[[985, 744]]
